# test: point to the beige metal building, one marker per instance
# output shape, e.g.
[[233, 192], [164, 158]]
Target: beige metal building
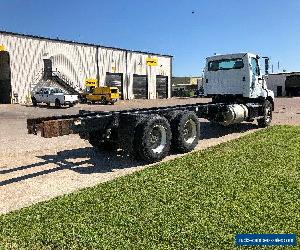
[[26, 60], [284, 84]]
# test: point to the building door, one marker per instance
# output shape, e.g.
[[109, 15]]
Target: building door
[[161, 87], [5, 78], [279, 90], [140, 86], [292, 85], [115, 80], [47, 68]]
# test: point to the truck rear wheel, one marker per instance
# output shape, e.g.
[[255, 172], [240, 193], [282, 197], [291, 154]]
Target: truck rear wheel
[[57, 103], [185, 130], [103, 100], [152, 139], [267, 115]]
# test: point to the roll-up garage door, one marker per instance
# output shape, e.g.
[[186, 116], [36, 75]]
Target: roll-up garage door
[[161, 87], [5, 80], [140, 86], [115, 80]]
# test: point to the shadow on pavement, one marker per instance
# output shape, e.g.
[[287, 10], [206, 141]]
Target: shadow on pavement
[[83, 160], [88, 160], [213, 130]]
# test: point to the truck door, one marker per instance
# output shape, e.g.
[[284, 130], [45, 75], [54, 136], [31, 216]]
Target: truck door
[[51, 96], [39, 95], [45, 95], [255, 73]]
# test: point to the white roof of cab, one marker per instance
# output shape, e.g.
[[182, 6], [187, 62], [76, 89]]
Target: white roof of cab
[[229, 56]]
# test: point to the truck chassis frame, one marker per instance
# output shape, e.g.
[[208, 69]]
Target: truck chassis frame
[[147, 133]]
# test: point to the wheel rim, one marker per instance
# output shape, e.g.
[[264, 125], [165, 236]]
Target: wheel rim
[[268, 114], [158, 139], [190, 131]]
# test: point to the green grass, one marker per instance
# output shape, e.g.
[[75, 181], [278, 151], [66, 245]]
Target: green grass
[[199, 201]]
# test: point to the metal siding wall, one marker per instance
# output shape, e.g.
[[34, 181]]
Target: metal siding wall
[[164, 68], [78, 62], [276, 80]]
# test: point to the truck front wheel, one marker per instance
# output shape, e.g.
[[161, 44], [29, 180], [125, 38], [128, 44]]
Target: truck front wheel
[[34, 102], [152, 139], [267, 115]]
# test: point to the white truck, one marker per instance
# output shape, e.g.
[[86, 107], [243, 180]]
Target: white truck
[[236, 80], [239, 93], [52, 95]]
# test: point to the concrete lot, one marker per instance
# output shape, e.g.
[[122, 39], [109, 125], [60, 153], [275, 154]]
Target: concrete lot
[[34, 169]]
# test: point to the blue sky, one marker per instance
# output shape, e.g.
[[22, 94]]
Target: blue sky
[[269, 28]]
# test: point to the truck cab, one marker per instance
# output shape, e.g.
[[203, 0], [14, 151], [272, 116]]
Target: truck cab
[[235, 77]]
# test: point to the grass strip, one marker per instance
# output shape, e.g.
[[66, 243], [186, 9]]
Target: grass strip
[[199, 201]]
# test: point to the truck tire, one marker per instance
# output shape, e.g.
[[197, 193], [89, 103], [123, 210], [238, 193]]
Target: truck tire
[[185, 130], [103, 100], [57, 103], [267, 115], [34, 102], [152, 139], [95, 138]]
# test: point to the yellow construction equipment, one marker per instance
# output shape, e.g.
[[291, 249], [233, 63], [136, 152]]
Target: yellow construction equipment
[[104, 95]]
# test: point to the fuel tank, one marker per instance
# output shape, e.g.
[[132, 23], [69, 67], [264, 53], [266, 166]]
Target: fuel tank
[[234, 113]]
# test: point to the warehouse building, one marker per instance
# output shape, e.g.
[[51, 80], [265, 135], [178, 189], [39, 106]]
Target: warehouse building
[[284, 84], [27, 61]]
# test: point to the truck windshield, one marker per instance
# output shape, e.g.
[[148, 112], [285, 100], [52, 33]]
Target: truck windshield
[[226, 64]]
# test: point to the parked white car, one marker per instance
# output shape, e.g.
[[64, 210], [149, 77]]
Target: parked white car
[[53, 95]]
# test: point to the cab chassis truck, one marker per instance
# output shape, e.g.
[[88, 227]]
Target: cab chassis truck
[[233, 81]]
